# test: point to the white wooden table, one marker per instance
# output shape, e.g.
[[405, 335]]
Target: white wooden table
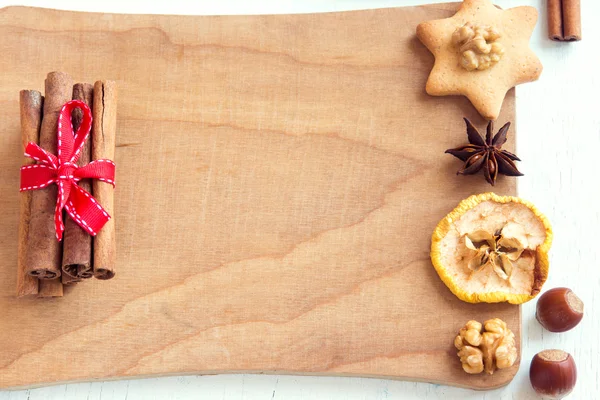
[[559, 141]]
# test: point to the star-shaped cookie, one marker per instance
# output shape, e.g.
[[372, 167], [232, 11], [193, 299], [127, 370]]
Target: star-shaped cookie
[[485, 88]]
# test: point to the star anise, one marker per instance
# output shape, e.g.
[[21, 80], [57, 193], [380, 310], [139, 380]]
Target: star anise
[[486, 154]]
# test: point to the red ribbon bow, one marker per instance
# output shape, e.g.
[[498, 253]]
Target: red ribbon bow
[[63, 171]]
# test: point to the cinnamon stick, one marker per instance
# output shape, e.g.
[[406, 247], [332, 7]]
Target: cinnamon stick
[[571, 10], [44, 251], [51, 287], [77, 245], [31, 103], [564, 20], [555, 29], [103, 146]]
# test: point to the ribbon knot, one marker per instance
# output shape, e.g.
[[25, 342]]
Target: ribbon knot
[[64, 171]]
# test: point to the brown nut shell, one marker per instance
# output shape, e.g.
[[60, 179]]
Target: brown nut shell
[[559, 310], [553, 373]]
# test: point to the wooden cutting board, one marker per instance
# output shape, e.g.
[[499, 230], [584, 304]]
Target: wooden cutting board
[[278, 181]]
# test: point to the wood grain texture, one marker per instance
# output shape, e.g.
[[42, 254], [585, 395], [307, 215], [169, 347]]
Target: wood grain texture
[[278, 181]]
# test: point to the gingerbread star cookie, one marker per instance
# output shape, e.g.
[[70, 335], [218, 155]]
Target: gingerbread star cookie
[[481, 52]]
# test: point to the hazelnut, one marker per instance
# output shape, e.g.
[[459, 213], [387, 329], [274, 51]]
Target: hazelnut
[[559, 310], [553, 373]]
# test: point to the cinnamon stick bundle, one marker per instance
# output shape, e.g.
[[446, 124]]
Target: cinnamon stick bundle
[[564, 20], [31, 104], [103, 146], [43, 259], [77, 245]]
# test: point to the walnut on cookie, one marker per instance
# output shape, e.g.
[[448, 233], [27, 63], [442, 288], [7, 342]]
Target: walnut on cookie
[[481, 52]]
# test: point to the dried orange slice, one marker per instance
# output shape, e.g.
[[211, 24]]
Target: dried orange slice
[[492, 249]]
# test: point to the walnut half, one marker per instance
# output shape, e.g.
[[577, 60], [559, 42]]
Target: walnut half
[[467, 342], [478, 46], [486, 347]]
